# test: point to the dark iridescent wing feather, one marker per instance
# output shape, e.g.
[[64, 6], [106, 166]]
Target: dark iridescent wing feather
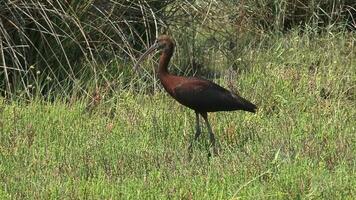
[[205, 96]]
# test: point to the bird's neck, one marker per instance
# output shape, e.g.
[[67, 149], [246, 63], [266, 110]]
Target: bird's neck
[[164, 59], [163, 74]]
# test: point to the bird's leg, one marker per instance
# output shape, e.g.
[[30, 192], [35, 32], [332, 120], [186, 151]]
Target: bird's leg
[[197, 126], [197, 129], [211, 134]]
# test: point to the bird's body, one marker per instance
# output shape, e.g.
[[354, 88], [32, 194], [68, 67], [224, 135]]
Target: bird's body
[[203, 95], [199, 94]]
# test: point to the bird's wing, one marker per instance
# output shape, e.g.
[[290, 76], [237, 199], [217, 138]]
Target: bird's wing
[[198, 86], [205, 95], [199, 93]]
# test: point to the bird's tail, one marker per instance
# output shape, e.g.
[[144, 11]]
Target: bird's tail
[[250, 107], [245, 105]]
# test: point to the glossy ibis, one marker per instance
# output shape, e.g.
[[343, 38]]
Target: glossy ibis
[[199, 94]]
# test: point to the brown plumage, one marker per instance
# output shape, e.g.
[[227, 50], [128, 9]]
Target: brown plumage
[[199, 94]]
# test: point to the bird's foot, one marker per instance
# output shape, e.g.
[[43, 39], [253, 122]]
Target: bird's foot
[[216, 150], [190, 151], [213, 151]]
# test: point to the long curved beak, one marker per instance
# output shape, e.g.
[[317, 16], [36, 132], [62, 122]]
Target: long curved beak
[[144, 55]]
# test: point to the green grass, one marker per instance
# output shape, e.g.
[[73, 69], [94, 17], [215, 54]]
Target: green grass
[[300, 144]]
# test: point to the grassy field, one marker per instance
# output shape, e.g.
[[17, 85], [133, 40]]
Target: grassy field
[[300, 144]]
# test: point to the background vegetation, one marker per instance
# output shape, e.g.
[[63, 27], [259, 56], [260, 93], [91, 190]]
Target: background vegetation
[[77, 122], [59, 46]]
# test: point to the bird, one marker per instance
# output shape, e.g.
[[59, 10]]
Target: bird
[[199, 94]]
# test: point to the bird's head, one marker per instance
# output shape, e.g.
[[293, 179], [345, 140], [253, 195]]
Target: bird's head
[[164, 43]]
